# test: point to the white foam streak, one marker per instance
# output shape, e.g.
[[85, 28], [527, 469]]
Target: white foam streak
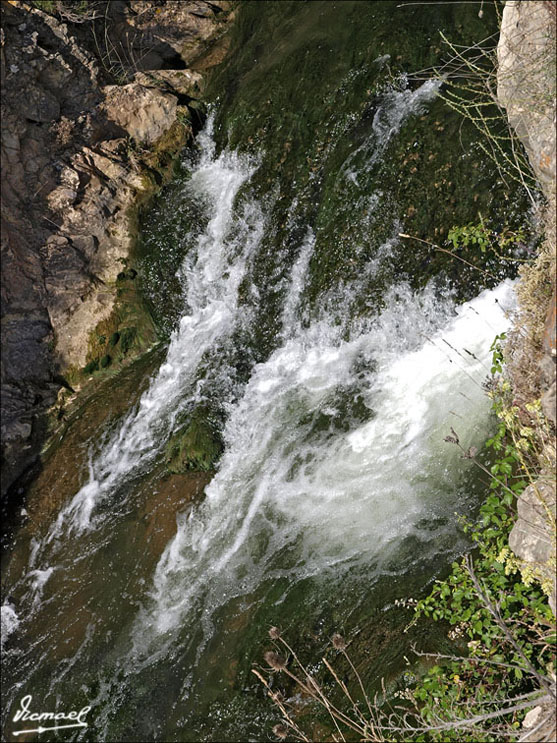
[[9, 622], [291, 310], [211, 275], [38, 579], [394, 109], [299, 478]]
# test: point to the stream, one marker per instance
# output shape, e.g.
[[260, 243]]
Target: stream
[[330, 357]]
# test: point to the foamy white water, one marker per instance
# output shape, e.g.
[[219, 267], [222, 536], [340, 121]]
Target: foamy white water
[[299, 278], [9, 622], [334, 451], [211, 276], [335, 497], [395, 108]]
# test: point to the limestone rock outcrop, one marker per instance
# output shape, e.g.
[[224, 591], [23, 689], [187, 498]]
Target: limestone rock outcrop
[[526, 83], [526, 88], [74, 118], [533, 536], [144, 113]]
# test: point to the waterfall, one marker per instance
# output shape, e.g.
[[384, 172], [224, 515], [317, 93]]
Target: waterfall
[[334, 455], [211, 274], [333, 489]]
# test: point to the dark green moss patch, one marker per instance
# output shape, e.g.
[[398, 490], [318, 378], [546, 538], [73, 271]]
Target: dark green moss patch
[[196, 446], [128, 336], [91, 367]]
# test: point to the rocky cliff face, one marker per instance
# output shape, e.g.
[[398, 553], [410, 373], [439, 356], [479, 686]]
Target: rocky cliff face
[[526, 83], [526, 88], [87, 101]]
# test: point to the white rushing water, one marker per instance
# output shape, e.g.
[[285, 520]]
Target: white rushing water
[[334, 451], [332, 496], [211, 275], [9, 622]]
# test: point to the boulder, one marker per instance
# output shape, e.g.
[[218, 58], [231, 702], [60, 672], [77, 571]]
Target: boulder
[[532, 538], [145, 113]]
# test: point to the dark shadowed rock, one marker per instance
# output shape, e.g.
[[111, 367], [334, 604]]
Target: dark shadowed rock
[[39, 105]]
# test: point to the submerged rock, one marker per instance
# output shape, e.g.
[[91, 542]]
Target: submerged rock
[[197, 446]]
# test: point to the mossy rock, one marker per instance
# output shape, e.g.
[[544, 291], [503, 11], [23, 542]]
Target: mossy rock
[[91, 367], [127, 339], [196, 447], [345, 411], [162, 158]]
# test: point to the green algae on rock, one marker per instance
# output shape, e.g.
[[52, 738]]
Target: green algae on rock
[[196, 446]]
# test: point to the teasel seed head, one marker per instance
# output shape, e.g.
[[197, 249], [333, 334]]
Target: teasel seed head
[[275, 661], [281, 731], [339, 643]]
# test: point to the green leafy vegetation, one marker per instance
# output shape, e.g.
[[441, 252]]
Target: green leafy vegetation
[[479, 235], [498, 614], [47, 6]]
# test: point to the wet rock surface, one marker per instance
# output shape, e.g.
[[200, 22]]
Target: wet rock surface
[[77, 133]]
